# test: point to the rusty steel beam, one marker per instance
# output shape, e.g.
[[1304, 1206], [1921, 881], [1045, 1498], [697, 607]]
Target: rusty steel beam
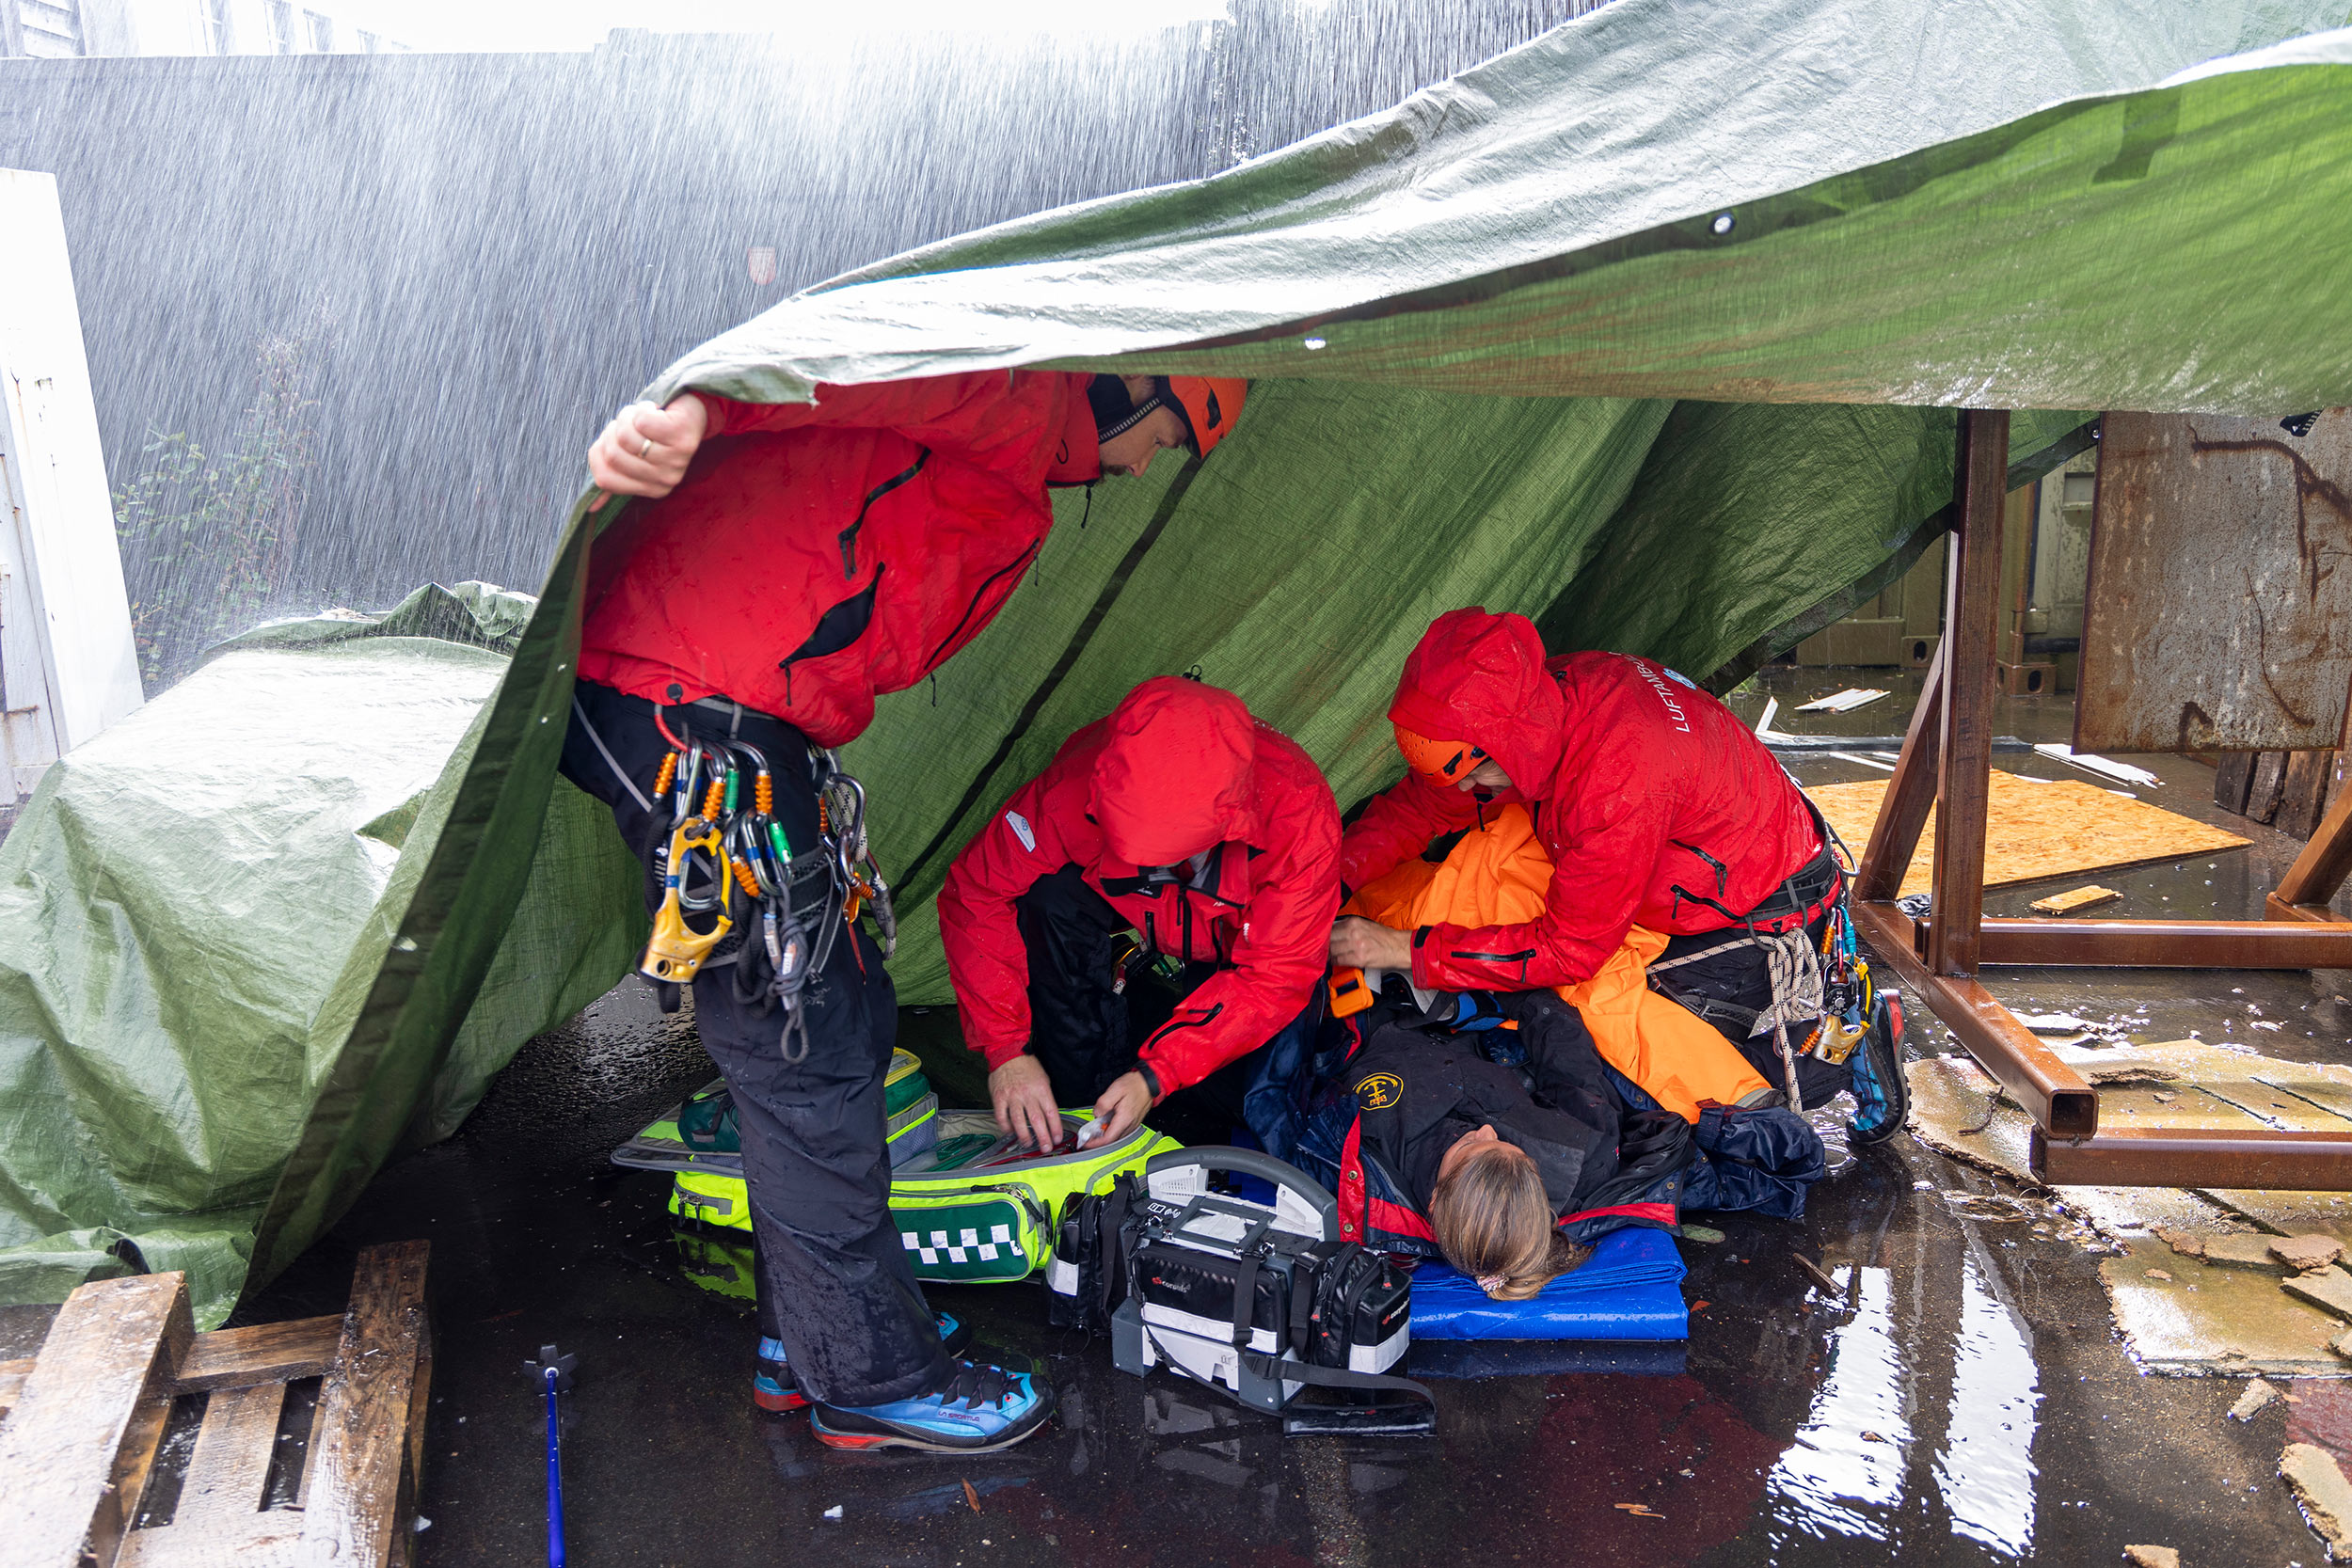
[[2259, 1157], [1910, 794], [1964, 759], [2168, 943], [2054, 1094]]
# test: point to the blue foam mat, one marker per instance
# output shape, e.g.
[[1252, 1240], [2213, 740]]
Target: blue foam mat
[[1630, 1288]]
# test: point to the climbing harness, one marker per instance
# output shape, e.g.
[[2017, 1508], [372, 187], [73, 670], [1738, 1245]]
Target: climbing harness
[[1831, 987], [728, 858]]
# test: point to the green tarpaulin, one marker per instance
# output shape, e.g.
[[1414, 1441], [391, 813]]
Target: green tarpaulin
[[1651, 329]]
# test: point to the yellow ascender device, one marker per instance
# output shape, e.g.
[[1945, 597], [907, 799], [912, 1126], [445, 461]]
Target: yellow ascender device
[[676, 951]]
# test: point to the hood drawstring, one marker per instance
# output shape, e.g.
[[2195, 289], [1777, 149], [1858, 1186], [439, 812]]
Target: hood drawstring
[[1089, 510]]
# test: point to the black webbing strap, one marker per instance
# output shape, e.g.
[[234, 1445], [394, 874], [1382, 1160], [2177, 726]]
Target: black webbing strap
[[1272, 1366], [1244, 1301]]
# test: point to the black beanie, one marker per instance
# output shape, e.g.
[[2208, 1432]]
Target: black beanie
[[1114, 412]]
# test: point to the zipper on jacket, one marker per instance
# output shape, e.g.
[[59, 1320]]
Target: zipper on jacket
[[978, 595], [1175, 1024], [848, 536]]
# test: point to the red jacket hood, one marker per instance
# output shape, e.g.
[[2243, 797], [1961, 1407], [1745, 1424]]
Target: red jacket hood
[[1174, 778], [1481, 679]]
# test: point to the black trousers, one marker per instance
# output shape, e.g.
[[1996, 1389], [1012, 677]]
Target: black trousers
[[834, 1280], [1085, 1033], [1743, 978]]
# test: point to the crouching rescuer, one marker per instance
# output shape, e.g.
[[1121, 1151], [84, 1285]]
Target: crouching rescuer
[[1658, 810], [1143, 924], [788, 563]]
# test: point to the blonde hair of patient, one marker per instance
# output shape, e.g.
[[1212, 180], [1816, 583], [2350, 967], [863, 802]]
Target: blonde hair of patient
[[1494, 1223]]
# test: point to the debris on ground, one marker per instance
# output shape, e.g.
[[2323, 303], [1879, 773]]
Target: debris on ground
[[2304, 1254], [2152, 1557], [2259, 1395], [2216, 1318], [2075, 898], [2328, 1288], [1640, 1511], [2055, 1023], [2189, 1244], [1842, 702], [2244, 1250], [1706, 1234], [2321, 1492], [1821, 1276]]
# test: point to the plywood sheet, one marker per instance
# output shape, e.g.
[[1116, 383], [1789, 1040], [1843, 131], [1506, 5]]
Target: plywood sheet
[[2215, 617], [2036, 831]]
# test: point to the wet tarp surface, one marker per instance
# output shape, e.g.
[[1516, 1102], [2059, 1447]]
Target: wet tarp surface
[[1651, 329], [182, 896]]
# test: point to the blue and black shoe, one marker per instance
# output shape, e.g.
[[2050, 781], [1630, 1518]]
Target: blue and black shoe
[[982, 1407], [1882, 1096], [774, 1387]]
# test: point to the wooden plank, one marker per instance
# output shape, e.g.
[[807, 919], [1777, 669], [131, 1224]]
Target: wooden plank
[[354, 1506], [231, 1357], [231, 1464], [2231, 777], [2077, 898], [2214, 613], [1966, 759], [268, 1540], [62, 1445], [2267, 784], [138, 1460], [267, 1352], [2304, 797], [1910, 794]]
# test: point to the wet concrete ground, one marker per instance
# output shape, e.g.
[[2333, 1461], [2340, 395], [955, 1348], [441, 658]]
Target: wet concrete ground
[[1960, 1398]]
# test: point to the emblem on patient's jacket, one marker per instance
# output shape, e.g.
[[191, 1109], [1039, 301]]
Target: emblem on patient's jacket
[[1379, 1092]]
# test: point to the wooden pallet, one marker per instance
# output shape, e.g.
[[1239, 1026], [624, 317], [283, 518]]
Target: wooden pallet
[[80, 1426]]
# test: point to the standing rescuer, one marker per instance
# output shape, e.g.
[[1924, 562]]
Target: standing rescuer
[[795, 561], [1178, 834], [1658, 808]]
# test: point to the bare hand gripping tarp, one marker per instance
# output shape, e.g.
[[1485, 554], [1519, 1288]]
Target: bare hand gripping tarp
[[1651, 329]]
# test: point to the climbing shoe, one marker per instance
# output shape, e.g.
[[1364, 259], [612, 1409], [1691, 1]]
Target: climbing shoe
[[774, 1387], [983, 1406], [1882, 1097]]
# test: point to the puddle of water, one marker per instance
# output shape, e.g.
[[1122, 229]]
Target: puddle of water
[[1843, 1475], [1986, 1470]]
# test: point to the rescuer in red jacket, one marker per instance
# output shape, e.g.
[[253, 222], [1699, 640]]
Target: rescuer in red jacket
[[1657, 807], [1178, 834], [788, 563]]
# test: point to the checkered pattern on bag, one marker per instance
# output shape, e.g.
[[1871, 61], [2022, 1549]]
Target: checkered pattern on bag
[[960, 1246]]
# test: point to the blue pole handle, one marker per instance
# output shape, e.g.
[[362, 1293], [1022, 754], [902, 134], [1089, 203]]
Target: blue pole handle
[[555, 1480]]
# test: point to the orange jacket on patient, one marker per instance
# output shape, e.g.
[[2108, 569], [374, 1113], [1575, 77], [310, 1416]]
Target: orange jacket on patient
[[1499, 876]]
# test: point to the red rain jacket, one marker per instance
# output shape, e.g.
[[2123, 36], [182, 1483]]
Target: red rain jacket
[[1646, 792], [1177, 765], [819, 554]]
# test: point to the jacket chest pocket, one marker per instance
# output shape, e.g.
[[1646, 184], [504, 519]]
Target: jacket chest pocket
[[848, 536]]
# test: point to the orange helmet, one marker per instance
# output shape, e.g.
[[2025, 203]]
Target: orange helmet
[[1442, 762], [1210, 404]]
